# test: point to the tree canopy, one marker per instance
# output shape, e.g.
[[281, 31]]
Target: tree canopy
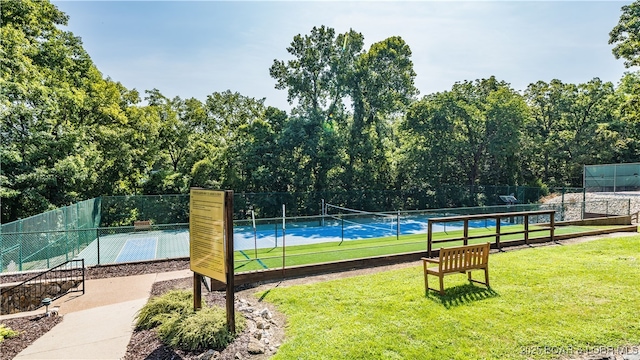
[[626, 35], [69, 133]]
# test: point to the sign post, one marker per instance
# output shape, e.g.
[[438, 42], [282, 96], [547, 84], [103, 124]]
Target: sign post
[[211, 243]]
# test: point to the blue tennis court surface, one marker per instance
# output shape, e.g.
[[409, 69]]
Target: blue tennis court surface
[[138, 249], [334, 229]]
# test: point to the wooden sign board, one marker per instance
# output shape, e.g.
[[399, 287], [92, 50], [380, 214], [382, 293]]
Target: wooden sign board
[[211, 244], [206, 233]]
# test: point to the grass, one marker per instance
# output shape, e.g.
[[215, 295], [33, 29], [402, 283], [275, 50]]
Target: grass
[[544, 302], [353, 249]]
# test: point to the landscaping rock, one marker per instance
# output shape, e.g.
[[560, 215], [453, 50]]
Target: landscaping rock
[[209, 355], [255, 347]]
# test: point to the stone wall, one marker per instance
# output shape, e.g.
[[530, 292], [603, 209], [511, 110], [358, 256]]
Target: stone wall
[[29, 297], [600, 203]]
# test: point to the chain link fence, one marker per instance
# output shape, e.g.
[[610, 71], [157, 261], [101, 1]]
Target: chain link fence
[[612, 177], [102, 230]]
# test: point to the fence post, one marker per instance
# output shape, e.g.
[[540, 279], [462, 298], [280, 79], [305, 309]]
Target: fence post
[[526, 229], [498, 219], [466, 232], [553, 225], [429, 236], [584, 202], [48, 250], [98, 243]]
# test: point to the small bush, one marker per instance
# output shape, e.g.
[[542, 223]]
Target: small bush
[[205, 329], [179, 326], [6, 333], [163, 308]]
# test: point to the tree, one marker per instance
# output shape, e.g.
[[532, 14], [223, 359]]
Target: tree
[[626, 35], [381, 87], [466, 136], [316, 79], [45, 75], [621, 136], [569, 129]]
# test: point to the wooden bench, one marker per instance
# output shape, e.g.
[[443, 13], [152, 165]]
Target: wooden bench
[[458, 259], [142, 225]]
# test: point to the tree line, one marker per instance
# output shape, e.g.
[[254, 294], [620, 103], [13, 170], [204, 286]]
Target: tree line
[[356, 123]]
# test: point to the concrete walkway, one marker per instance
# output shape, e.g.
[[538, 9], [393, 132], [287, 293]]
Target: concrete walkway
[[98, 324]]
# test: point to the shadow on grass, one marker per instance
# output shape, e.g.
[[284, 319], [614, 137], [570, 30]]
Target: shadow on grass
[[461, 295]]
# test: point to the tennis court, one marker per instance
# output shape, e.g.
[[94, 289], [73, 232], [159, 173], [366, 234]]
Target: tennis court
[[332, 229], [129, 245], [137, 246]]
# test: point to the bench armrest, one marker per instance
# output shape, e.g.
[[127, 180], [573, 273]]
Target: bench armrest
[[431, 261]]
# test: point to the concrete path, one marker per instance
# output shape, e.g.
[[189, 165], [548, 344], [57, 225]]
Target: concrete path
[[98, 324]]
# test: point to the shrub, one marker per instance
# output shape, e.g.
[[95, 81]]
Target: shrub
[[160, 309], [180, 327], [6, 333], [205, 329]]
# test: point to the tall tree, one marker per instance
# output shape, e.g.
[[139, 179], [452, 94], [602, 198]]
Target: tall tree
[[316, 81], [45, 75], [381, 87], [566, 126], [626, 35], [464, 136]]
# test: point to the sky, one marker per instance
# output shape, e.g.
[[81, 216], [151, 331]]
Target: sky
[[194, 48]]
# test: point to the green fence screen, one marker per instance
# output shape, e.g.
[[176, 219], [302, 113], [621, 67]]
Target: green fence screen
[[612, 177], [48, 239]]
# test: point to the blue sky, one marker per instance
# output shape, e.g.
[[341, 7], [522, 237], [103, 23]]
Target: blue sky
[[195, 48]]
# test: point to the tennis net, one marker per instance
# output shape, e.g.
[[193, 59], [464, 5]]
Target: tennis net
[[375, 222]]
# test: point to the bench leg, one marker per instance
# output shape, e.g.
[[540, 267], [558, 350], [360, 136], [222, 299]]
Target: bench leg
[[441, 284], [486, 276]]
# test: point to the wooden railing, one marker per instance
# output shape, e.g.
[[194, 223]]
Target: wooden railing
[[497, 217]]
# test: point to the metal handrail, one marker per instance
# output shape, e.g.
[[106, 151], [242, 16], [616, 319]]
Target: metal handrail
[[67, 271]]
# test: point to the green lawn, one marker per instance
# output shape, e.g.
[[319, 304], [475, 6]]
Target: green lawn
[[543, 301], [353, 249]]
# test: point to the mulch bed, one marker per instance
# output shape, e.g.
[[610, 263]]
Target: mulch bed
[[30, 329], [145, 344]]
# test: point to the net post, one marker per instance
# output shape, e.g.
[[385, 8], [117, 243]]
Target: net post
[[255, 235], [398, 229], [341, 229], [283, 237]]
